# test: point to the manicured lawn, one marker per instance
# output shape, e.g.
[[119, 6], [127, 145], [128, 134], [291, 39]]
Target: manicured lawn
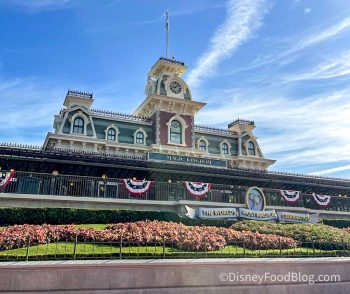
[[65, 250]]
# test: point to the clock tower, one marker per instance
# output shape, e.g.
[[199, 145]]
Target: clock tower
[[170, 106]]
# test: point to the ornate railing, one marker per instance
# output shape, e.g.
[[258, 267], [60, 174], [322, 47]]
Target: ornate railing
[[119, 115], [212, 130], [172, 60], [81, 94], [68, 185], [241, 122]]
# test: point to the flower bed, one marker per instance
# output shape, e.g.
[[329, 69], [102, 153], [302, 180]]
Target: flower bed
[[192, 238]]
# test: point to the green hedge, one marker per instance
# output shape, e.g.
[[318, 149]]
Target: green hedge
[[338, 223], [12, 216]]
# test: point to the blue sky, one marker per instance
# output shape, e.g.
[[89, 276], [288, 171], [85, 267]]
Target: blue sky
[[284, 64]]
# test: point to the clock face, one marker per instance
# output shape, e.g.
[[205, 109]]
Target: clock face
[[175, 87]]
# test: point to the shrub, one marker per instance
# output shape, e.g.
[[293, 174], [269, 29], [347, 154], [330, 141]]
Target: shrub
[[17, 216], [302, 232], [144, 233]]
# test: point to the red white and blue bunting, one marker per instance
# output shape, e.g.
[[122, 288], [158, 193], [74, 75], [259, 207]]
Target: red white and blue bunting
[[137, 187], [197, 189], [290, 196], [5, 178], [322, 200]]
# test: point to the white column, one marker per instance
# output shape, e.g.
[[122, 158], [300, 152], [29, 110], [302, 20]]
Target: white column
[[239, 146]]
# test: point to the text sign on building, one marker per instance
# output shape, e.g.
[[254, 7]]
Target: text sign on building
[[187, 159], [217, 213]]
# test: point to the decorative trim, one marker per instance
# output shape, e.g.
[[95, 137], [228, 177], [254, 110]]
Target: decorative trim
[[229, 147], [6, 178], [197, 189], [137, 187], [83, 117], [112, 126], [206, 143], [290, 196], [322, 200], [144, 136], [183, 129]]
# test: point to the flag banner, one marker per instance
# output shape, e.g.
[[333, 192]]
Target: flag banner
[[167, 21], [197, 189], [5, 178], [227, 213], [322, 200], [137, 187], [257, 215], [290, 195]]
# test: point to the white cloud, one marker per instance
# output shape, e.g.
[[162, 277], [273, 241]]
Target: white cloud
[[244, 17], [38, 5], [333, 68], [295, 131], [319, 36], [332, 170], [314, 36]]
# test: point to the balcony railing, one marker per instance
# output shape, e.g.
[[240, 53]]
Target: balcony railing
[[80, 186]]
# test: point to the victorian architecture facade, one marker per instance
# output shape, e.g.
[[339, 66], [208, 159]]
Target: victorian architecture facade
[[162, 128]]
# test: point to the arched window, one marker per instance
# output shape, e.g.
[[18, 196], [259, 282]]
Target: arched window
[[78, 126], [224, 148], [175, 132], [140, 138], [251, 148], [202, 145], [111, 134]]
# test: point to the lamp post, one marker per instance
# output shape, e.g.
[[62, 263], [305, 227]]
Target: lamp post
[[53, 182], [104, 187]]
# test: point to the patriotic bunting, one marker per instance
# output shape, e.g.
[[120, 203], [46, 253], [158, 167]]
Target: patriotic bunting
[[322, 200], [290, 196], [5, 178], [137, 187], [197, 189]]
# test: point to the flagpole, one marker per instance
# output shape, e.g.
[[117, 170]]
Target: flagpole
[[167, 33]]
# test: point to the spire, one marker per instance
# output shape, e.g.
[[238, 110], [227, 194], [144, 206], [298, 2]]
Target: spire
[[167, 33]]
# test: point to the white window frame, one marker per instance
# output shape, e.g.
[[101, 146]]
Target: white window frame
[[183, 129], [112, 126], [229, 147], [204, 139], [144, 136], [81, 115], [255, 148]]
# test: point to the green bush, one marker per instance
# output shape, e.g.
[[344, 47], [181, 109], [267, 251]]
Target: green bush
[[338, 223], [321, 234], [13, 216]]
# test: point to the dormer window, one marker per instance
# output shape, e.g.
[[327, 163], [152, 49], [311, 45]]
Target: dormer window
[[111, 134], [78, 126], [224, 148], [202, 145], [251, 148], [175, 132], [140, 138]]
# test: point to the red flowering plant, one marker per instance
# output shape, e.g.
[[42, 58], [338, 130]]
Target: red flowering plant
[[195, 238]]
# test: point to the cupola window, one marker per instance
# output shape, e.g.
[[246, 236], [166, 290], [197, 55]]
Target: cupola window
[[202, 145], [78, 126], [111, 135], [175, 132], [140, 138], [224, 148], [251, 148]]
